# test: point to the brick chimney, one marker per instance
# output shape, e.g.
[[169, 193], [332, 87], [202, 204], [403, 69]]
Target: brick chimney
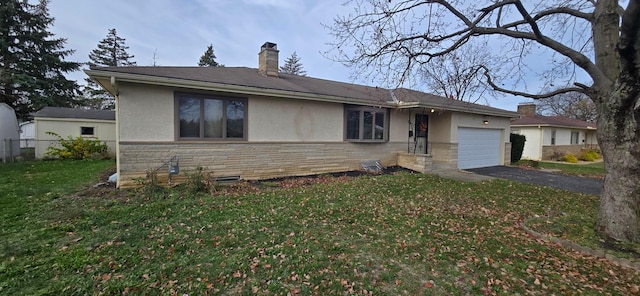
[[527, 109], [268, 59]]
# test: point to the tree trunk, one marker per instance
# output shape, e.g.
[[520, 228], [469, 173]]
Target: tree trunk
[[619, 139]]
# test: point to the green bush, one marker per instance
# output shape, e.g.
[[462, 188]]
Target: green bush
[[517, 146], [590, 155], [570, 158], [78, 148]]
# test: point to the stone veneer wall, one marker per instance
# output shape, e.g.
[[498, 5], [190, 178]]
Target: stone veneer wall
[[444, 155], [555, 152], [251, 161], [416, 162], [507, 153]]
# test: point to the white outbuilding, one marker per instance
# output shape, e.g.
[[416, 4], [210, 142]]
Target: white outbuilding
[[9, 133]]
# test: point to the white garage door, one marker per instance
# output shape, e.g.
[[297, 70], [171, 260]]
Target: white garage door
[[478, 148]]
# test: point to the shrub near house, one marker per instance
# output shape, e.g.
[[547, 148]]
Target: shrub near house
[[78, 148]]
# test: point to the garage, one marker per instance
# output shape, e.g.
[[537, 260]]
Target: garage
[[478, 147]]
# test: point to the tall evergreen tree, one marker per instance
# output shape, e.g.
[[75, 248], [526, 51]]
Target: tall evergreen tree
[[111, 52], [293, 66], [208, 59], [32, 60]]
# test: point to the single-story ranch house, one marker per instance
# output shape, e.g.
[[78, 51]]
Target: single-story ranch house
[[248, 123], [71, 122], [551, 137]]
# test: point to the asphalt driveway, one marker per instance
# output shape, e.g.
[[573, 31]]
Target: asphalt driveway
[[572, 183]]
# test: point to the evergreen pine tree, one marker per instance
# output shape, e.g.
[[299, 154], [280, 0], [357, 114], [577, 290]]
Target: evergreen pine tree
[[293, 66], [32, 60], [111, 52], [208, 59]]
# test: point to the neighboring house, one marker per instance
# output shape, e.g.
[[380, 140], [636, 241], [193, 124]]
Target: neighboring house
[[28, 134], [551, 137], [69, 122], [248, 123], [9, 133]]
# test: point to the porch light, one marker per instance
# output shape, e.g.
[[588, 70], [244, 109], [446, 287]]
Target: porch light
[[485, 122], [433, 110]]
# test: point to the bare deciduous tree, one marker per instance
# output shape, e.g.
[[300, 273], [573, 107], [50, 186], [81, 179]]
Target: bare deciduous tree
[[459, 75], [589, 47], [572, 105]]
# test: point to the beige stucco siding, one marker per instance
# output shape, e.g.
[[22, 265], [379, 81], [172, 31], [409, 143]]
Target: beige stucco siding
[[399, 125], [146, 113], [150, 116], [104, 130], [440, 127], [278, 120]]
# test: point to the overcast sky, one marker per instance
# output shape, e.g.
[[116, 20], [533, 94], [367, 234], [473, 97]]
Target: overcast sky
[[180, 31]]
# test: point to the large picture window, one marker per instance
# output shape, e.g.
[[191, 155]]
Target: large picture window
[[210, 117], [366, 124]]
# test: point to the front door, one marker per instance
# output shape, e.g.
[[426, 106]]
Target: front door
[[422, 131]]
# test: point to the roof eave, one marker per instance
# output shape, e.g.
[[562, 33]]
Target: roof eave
[[554, 125], [100, 75], [447, 107]]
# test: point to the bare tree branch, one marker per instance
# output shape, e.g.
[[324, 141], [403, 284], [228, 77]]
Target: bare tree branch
[[528, 95]]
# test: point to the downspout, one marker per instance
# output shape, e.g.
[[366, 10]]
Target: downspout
[[114, 85]]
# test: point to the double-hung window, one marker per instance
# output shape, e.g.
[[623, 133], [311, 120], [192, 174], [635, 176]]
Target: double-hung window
[[210, 117], [366, 124]]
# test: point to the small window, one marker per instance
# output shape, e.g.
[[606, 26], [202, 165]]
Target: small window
[[210, 117], [553, 137], [87, 131], [366, 124]]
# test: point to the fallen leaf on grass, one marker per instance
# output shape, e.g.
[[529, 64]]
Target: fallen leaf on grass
[[428, 285]]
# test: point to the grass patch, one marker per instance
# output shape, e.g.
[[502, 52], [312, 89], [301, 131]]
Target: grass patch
[[595, 169], [592, 170], [391, 234]]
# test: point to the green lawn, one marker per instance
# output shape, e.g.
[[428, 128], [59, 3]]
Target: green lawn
[[392, 234], [593, 170]]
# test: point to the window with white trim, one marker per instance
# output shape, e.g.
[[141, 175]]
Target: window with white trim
[[87, 131], [366, 124]]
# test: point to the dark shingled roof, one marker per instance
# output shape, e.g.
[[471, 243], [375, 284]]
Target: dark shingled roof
[[251, 78], [59, 112], [552, 121]]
